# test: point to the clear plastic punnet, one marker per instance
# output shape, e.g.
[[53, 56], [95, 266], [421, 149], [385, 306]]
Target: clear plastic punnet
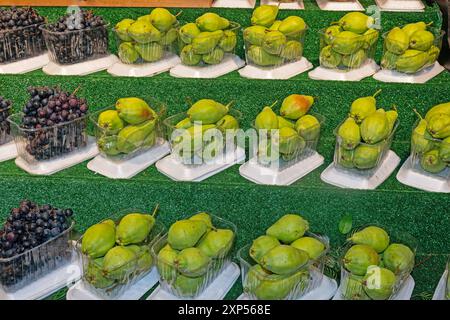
[[413, 56], [5, 129], [364, 158], [355, 286], [34, 145], [129, 274], [22, 269], [346, 50], [292, 286], [21, 43], [74, 46], [447, 282], [208, 48], [108, 143], [185, 285]]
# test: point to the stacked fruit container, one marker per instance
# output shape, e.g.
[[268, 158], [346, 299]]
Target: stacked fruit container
[[5, 130]]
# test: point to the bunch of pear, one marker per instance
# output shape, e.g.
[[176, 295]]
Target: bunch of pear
[[272, 42], [283, 257], [131, 126], [202, 134], [411, 48], [148, 37], [376, 265], [430, 140], [115, 253], [193, 253], [364, 137], [349, 42], [288, 134], [207, 40]]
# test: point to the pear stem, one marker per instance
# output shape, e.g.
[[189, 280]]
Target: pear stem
[[273, 104], [180, 12], [230, 104], [377, 93], [189, 101], [155, 210], [394, 107], [76, 90], [418, 114], [429, 23]]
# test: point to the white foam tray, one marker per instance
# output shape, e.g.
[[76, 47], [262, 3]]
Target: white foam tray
[[401, 5], [259, 174], [281, 73], [80, 69], [234, 4], [439, 293], [8, 151], [80, 291], [325, 291], [217, 290], [418, 178], [340, 6], [177, 171], [419, 77], [52, 166], [24, 66], [354, 180], [144, 70], [230, 63], [403, 294], [127, 169], [296, 5], [48, 283], [321, 73]]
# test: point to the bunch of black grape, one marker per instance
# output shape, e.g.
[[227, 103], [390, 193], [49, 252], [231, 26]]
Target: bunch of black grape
[[76, 37], [60, 120], [27, 227], [20, 37], [4, 125]]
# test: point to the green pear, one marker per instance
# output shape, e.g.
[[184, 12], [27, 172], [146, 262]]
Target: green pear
[[134, 228], [397, 41], [134, 110], [398, 258], [132, 137], [366, 156], [296, 106], [168, 37], [266, 119], [166, 263], [293, 50], [284, 259], [206, 41], [227, 122], [119, 263], [192, 262], [207, 111], [282, 122], [444, 150], [389, 60], [144, 32], [379, 283], [189, 57], [264, 15], [254, 35], [373, 236], [274, 42], [439, 126], [359, 257], [121, 29], [431, 162], [189, 286], [94, 275], [110, 122], [290, 142], [98, 240], [162, 19], [261, 246], [356, 22], [292, 26], [205, 217], [411, 61], [275, 287], [108, 145], [421, 40], [260, 57], [185, 233], [352, 288], [212, 22], [150, 52], [214, 57], [330, 33], [288, 228], [275, 25], [370, 37], [419, 143], [308, 127], [411, 28], [228, 41], [329, 58], [127, 53], [344, 157], [188, 32], [355, 60], [347, 42], [433, 54], [311, 246], [349, 134], [216, 243], [438, 109], [374, 128], [363, 107]]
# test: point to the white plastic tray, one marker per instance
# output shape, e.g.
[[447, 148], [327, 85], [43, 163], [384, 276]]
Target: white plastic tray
[[340, 6], [325, 291], [80, 69], [230, 63], [439, 293], [177, 171], [418, 178], [352, 180], [145, 69], [24, 66], [282, 72], [8, 151], [296, 5], [401, 5], [419, 77], [321, 73], [48, 283], [80, 291], [234, 4], [403, 294], [52, 166], [257, 173], [217, 290], [128, 168]]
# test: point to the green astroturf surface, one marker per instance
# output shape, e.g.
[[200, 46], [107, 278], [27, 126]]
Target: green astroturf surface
[[251, 207]]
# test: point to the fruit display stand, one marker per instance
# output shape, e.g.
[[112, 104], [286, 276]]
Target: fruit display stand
[[423, 214]]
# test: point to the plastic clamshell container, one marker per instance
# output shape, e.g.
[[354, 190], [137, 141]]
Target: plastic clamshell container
[[419, 60], [428, 144], [69, 47], [133, 52], [105, 139], [22, 269], [309, 276], [266, 139], [194, 55], [169, 272], [127, 279], [337, 53], [5, 129], [200, 147], [264, 54], [343, 159], [21, 43], [351, 287], [447, 282]]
